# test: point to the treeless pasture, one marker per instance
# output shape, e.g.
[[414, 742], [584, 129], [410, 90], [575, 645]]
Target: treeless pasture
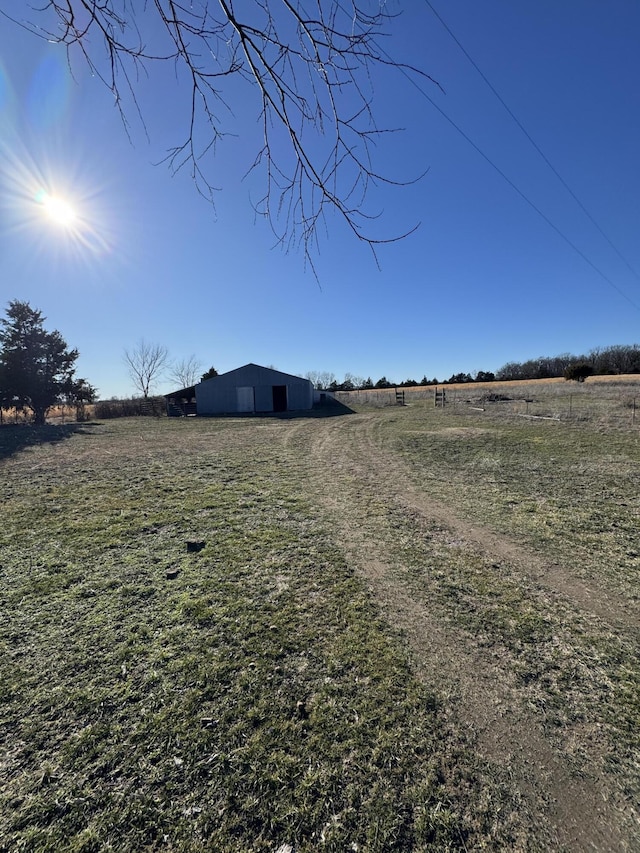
[[407, 629], [611, 401]]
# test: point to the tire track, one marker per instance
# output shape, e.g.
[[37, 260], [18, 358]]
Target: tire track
[[563, 810]]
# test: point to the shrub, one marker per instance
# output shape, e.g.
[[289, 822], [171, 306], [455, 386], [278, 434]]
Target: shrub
[[134, 407], [579, 371]]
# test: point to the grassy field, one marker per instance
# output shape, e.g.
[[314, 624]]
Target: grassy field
[[406, 629], [612, 402]]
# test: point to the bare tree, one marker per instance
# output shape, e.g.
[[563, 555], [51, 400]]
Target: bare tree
[[185, 372], [146, 364], [351, 382], [321, 379], [310, 68]]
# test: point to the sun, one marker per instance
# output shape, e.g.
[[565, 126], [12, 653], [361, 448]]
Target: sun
[[57, 209], [60, 211], [63, 211]]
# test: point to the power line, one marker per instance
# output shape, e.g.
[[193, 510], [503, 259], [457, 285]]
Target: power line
[[535, 144], [525, 198]]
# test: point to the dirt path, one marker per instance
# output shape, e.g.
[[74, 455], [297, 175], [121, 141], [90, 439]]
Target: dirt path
[[560, 808], [597, 601]]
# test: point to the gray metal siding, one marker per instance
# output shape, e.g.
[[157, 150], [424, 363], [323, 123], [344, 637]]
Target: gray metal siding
[[214, 400], [300, 396], [254, 374], [264, 398], [219, 395], [245, 398]]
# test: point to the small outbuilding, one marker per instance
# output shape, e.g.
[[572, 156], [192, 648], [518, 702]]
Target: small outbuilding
[[247, 389]]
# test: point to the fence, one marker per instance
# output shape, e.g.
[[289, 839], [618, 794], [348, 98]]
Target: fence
[[14, 416], [134, 407], [613, 401]]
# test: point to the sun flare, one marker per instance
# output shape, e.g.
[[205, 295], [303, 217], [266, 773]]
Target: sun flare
[[64, 211], [57, 209]]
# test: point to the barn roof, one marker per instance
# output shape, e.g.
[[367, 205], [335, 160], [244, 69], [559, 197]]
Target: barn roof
[[250, 367], [183, 392]]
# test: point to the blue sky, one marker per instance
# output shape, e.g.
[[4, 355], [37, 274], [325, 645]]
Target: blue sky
[[484, 280]]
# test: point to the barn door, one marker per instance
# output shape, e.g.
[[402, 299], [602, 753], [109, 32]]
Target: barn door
[[245, 399], [279, 398]]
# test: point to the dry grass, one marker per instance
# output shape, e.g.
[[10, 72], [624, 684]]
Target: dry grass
[[612, 401], [408, 629], [239, 697]]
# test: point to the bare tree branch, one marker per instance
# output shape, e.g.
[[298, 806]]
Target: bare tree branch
[[185, 372], [146, 364], [310, 64]]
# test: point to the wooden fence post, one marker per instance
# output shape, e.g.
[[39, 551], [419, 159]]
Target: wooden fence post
[[439, 397]]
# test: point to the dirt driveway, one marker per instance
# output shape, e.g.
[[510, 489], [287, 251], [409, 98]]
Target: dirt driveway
[[408, 547]]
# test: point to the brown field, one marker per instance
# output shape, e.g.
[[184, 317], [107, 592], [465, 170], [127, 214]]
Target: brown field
[[612, 401], [408, 628]]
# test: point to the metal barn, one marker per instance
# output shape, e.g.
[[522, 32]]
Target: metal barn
[[251, 388]]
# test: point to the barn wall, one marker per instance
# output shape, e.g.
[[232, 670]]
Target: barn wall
[[214, 400], [264, 398], [300, 396], [220, 395]]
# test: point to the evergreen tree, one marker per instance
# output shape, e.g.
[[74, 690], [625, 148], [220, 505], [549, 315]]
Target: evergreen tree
[[36, 366], [78, 394], [383, 382], [209, 374]]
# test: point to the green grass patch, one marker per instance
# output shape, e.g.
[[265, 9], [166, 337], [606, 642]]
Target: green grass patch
[[252, 694], [253, 699]]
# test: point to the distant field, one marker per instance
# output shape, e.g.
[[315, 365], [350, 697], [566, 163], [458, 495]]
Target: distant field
[[402, 629], [614, 401]]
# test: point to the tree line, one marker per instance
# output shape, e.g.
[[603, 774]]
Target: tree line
[[37, 368], [601, 361], [147, 363], [326, 381]]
